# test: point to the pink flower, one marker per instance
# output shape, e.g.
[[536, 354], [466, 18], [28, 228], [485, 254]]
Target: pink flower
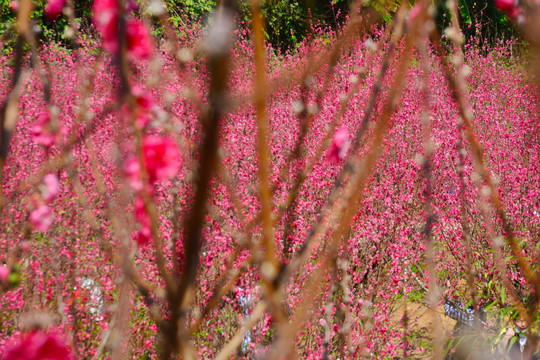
[[105, 17], [42, 130], [144, 235], [339, 147], [51, 187], [41, 218], [161, 158], [39, 345], [143, 98], [139, 40], [415, 11], [103, 12], [54, 8], [132, 170], [145, 107], [25, 245], [4, 273], [509, 7]]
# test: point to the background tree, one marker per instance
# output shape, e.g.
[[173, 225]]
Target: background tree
[[288, 22]]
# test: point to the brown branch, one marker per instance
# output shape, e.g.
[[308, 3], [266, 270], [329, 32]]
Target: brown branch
[[426, 170], [218, 63], [269, 267]]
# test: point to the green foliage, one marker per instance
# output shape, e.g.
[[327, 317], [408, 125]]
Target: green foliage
[[386, 8], [192, 10], [288, 22], [7, 22], [479, 19], [14, 277], [5, 11], [49, 30], [195, 9], [464, 12]]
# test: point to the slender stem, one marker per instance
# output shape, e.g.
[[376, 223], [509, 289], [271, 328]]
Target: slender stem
[[429, 215], [271, 263]]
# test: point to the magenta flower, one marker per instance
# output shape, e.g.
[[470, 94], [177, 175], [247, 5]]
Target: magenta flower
[[145, 107], [42, 130], [51, 187], [4, 273], [54, 8], [161, 157], [39, 345], [414, 12], [138, 38], [143, 97], [41, 218], [105, 17], [339, 147], [509, 7], [132, 170], [144, 235]]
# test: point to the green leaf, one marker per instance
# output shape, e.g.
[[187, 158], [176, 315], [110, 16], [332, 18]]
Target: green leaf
[[14, 279], [463, 9]]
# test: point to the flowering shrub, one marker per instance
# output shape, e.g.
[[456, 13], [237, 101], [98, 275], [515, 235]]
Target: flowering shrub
[[159, 203]]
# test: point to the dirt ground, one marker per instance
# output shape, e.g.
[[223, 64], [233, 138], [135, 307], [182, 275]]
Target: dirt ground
[[420, 328], [420, 325]]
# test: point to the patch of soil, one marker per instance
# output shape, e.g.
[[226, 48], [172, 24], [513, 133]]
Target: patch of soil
[[420, 331], [420, 326]]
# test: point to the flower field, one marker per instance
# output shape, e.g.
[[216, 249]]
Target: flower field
[[209, 198]]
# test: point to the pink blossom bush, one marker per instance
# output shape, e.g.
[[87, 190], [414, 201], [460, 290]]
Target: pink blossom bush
[[77, 239]]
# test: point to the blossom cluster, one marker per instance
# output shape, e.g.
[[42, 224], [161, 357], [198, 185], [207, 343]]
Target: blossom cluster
[[107, 20], [132, 157]]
